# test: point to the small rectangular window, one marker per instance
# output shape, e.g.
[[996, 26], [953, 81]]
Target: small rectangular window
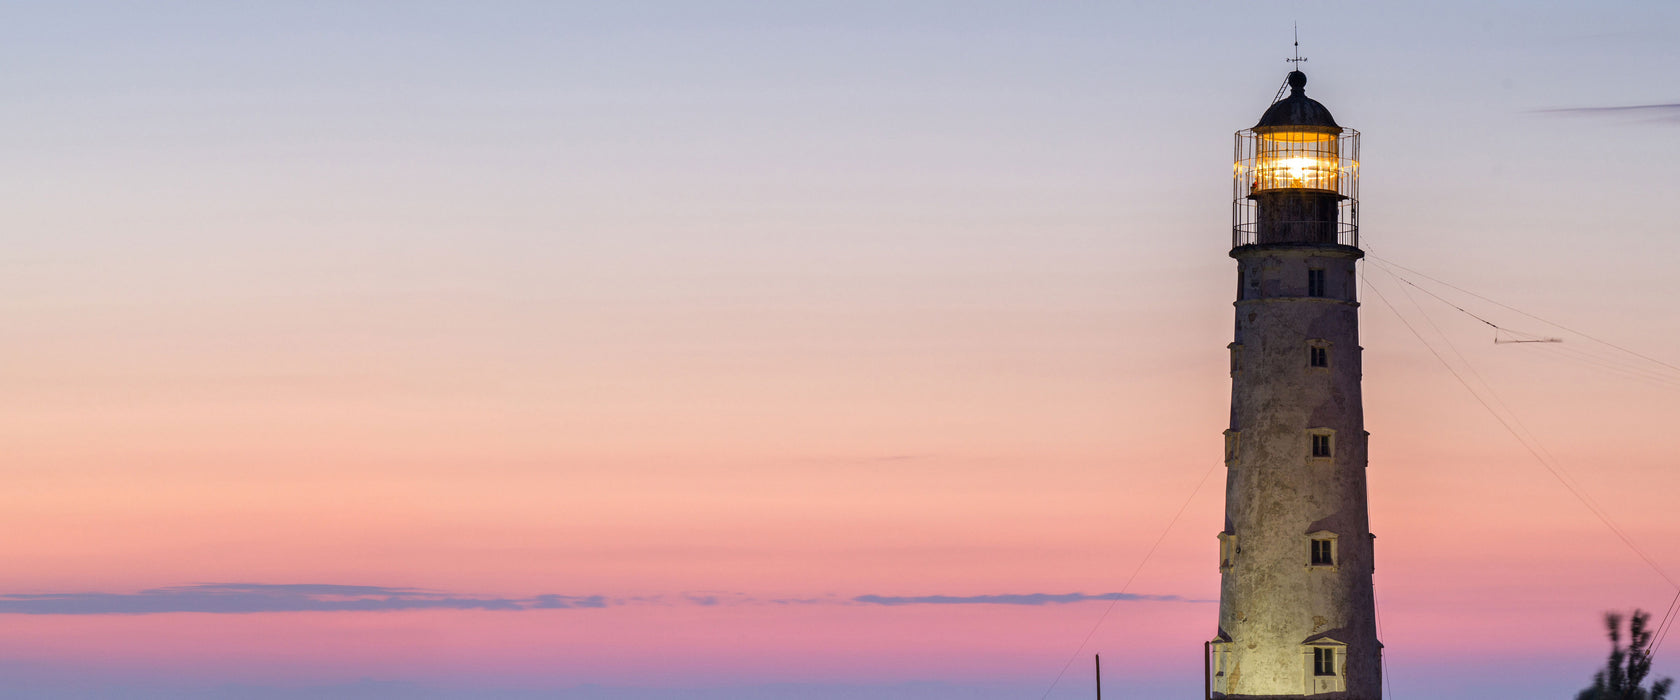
[[1323, 553], [1315, 283], [1324, 661], [1320, 445], [1320, 356]]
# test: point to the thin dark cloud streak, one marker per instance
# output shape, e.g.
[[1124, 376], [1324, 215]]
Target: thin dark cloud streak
[[1017, 599], [1666, 112], [247, 598]]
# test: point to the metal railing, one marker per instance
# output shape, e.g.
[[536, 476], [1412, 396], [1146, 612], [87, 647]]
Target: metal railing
[[1340, 232]]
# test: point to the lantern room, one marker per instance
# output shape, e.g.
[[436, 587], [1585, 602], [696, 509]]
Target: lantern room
[[1296, 176]]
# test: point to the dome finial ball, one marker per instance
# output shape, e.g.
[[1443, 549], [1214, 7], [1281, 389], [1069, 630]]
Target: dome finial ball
[[1297, 80]]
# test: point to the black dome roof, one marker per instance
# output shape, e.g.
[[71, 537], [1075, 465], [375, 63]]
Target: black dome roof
[[1297, 109]]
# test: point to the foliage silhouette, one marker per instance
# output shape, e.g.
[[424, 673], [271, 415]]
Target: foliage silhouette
[[1626, 671]]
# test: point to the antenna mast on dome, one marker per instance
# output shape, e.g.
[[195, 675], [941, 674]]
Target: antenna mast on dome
[[1297, 60]]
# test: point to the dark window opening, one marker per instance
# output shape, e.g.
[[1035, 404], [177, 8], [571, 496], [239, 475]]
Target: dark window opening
[[1315, 283], [1324, 661], [1321, 445], [1320, 357], [1323, 553]]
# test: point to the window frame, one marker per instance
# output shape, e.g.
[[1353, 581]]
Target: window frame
[[1323, 552], [1323, 446], [1324, 661], [1317, 437], [1334, 550], [1322, 653]]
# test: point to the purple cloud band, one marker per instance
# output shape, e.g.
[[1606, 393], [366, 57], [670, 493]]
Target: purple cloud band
[[235, 598], [250, 598]]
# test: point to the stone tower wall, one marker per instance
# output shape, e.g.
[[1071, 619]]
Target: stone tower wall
[[1275, 605]]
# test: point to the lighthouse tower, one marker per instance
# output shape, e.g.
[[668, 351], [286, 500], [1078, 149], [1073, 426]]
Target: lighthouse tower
[[1296, 611]]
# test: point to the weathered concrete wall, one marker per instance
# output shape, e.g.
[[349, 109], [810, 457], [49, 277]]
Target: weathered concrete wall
[[1274, 604]]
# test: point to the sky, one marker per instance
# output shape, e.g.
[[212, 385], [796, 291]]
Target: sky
[[833, 350]]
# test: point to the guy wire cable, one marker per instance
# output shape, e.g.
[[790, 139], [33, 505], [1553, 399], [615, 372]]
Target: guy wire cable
[[1128, 584], [1532, 449]]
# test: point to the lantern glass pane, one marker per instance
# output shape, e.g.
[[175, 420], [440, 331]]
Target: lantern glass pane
[[1297, 160]]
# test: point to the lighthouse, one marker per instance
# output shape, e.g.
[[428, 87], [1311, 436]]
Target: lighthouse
[[1296, 609]]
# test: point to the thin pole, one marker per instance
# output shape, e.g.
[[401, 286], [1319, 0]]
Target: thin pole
[[1099, 675], [1207, 671]]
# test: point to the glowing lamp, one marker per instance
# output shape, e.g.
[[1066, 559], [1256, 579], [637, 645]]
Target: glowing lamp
[[1296, 158]]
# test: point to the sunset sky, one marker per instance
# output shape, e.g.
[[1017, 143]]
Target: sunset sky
[[832, 350]]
